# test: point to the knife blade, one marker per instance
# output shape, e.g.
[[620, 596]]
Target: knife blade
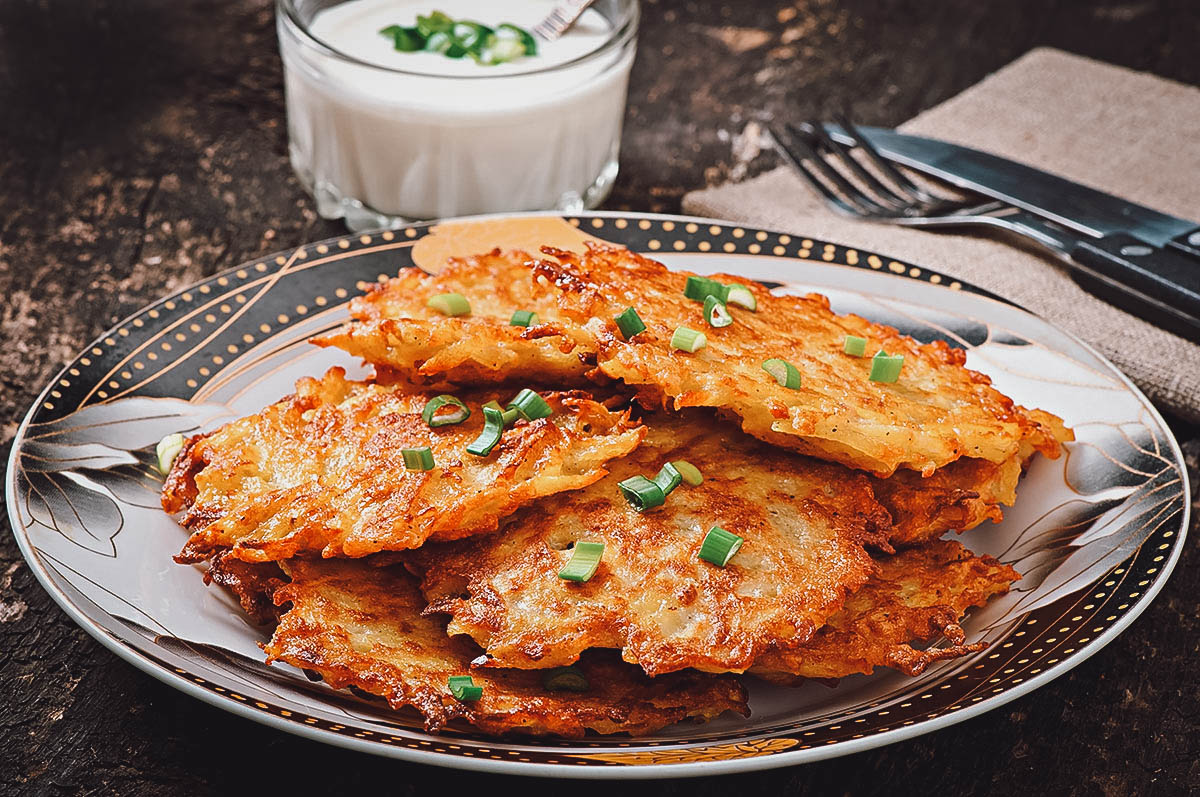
[[1074, 206]]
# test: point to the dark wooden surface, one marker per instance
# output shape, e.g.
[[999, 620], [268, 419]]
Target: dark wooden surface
[[142, 146]]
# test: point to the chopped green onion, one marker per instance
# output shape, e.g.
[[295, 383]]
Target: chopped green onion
[[855, 346], [506, 31], [715, 313], [641, 493], [459, 414], [405, 40], [585, 558], [167, 449], [741, 296], [508, 416], [493, 427], [464, 689], [630, 323], [530, 405], [886, 367], [565, 679], [523, 318], [449, 304], [668, 478], [690, 473], [784, 372], [417, 458], [719, 546], [700, 288], [688, 340]]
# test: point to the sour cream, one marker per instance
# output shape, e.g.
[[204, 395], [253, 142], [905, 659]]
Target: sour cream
[[379, 135]]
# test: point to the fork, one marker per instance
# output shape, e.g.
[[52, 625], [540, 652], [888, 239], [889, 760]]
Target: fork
[[882, 193], [561, 17]]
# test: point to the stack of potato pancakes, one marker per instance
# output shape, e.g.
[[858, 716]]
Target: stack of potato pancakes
[[583, 493]]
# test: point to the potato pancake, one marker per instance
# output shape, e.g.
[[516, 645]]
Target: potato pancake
[[362, 626], [805, 524], [322, 471], [938, 411], [916, 596], [252, 583], [393, 328]]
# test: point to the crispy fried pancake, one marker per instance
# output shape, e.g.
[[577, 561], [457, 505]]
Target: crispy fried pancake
[[917, 596], [362, 626], [393, 328], [938, 412], [804, 522], [322, 470], [252, 583]]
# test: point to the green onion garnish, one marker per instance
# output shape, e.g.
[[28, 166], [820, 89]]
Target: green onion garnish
[[700, 288], [417, 458], [690, 473], [719, 546], [565, 679], [784, 372], [523, 318], [493, 427], [668, 478], [458, 414], [531, 405], [167, 449], [688, 340], [464, 689], [886, 367], [449, 304], [855, 346], [630, 323], [508, 416], [741, 296], [438, 33], [585, 558], [715, 313], [641, 493]]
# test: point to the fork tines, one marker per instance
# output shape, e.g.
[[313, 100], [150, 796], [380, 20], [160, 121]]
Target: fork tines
[[561, 17]]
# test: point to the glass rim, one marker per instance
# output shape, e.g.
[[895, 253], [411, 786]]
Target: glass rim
[[623, 29]]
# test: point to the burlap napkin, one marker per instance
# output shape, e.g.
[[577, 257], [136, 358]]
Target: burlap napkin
[[1128, 133]]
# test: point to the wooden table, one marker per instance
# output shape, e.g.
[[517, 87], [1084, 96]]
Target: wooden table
[[142, 147]]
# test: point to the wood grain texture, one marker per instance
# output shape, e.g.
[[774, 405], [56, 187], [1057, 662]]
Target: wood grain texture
[[143, 146]]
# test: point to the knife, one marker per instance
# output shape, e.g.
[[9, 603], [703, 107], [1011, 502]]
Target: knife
[[1131, 252]]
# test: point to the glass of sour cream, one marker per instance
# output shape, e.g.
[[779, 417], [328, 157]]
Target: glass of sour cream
[[380, 137]]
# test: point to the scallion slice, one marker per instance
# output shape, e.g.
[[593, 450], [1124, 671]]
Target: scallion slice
[[530, 405], [585, 558], [784, 372], [508, 416], [715, 312], [630, 323], [855, 346], [886, 367], [741, 296], [417, 458], [690, 473], [565, 679], [641, 493], [452, 304], [464, 689], [719, 546], [523, 318], [167, 449], [700, 288], [493, 428], [458, 414], [668, 478], [688, 340]]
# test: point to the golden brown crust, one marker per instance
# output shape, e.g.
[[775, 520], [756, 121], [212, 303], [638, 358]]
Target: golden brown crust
[[918, 595], [393, 328], [252, 583], [321, 471], [938, 412], [805, 524], [362, 626]]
